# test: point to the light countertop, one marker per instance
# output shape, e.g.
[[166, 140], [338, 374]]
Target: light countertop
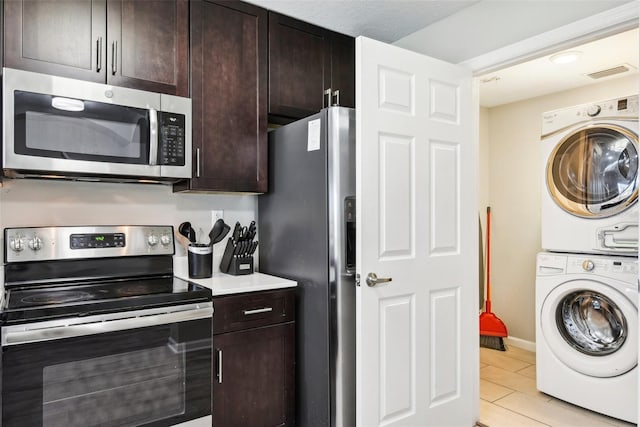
[[226, 284]]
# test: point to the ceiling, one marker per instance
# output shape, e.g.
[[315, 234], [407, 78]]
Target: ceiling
[[541, 76], [382, 20], [389, 21]]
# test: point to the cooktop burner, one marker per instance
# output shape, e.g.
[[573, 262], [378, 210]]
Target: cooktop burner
[[44, 302], [59, 297]]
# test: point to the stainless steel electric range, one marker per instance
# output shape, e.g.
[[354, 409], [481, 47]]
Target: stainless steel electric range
[[96, 330]]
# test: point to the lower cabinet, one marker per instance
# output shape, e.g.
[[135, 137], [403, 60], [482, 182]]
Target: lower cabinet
[[254, 357]]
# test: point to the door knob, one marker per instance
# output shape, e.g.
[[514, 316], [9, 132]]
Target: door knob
[[373, 279]]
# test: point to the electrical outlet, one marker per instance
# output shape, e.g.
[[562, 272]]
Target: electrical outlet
[[216, 215]]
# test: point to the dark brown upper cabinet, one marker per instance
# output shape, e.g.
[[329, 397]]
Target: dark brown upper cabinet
[[138, 44], [229, 97], [309, 68]]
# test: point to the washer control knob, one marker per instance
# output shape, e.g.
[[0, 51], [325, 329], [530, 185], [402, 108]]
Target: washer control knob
[[165, 239], [588, 265], [35, 243], [16, 244], [593, 110], [152, 240]]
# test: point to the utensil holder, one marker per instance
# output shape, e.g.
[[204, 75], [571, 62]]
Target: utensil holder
[[200, 260]]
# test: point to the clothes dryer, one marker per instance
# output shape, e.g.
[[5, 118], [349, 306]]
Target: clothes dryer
[[587, 331], [590, 178]]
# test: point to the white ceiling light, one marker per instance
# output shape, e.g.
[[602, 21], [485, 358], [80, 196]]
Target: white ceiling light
[[565, 57]]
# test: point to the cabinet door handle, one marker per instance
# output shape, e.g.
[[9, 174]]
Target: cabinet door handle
[[99, 54], [219, 374], [336, 95], [153, 136], [257, 310], [114, 57], [197, 163], [326, 98]]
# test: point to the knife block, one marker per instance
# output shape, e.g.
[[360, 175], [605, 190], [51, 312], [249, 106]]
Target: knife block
[[234, 264]]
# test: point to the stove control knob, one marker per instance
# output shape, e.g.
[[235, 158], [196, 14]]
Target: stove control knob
[[35, 243], [588, 265], [165, 239], [16, 244], [593, 110], [152, 240]]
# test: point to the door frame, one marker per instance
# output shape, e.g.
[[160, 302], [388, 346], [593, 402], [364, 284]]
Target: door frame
[[600, 25]]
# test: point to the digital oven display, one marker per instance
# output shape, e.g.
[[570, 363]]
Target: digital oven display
[[91, 241]]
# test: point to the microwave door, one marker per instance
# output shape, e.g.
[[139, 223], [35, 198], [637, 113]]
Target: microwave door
[[60, 129], [53, 133]]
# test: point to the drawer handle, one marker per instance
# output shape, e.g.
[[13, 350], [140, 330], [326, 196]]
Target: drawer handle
[[256, 311], [219, 375]]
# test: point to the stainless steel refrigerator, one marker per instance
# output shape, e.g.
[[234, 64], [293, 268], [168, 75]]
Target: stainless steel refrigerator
[[307, 233]]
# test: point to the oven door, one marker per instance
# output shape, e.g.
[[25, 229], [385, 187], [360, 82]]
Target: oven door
[[128, 369]]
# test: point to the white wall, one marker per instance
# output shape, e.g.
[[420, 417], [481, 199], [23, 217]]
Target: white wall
[[492, 24], [26, 202], [513, 172]]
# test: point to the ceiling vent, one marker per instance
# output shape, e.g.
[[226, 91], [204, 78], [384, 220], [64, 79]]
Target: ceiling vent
[[610, 71]]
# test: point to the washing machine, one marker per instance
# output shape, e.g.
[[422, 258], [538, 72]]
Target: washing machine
[[587, 331], [590, 178]]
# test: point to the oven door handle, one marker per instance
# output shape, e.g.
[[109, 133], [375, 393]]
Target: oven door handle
[[99, 324]]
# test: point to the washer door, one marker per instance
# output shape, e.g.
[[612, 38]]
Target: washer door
[[593, 171], [591, 327]]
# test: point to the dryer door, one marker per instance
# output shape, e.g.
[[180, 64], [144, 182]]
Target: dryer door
[[593, 171], [591, 327]]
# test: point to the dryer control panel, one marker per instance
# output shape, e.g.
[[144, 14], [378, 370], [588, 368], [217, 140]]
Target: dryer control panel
[[621, 268], [615, 109]]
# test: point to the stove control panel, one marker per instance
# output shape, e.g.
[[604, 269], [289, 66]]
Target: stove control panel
[[58, 243]]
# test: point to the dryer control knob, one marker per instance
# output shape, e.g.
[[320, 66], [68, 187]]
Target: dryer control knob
[[593, 110], [588, 265]]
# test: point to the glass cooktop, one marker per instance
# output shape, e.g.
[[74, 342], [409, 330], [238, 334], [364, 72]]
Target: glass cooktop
[[47, 302]]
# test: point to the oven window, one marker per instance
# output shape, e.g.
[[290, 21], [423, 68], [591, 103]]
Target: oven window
[[63, 128], [131, 388], [152, 376]]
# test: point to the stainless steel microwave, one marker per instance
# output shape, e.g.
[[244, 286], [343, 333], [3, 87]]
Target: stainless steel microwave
[[55, 127]]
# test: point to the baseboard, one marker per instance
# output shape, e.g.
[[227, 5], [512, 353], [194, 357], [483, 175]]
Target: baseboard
[[520, 343]]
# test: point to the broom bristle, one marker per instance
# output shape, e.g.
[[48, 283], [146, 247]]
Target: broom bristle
[[496, 343]]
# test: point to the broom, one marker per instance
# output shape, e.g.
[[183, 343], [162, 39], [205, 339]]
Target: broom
[[492, 329]]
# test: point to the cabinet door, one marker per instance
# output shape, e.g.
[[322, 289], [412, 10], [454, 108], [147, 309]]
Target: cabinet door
[[65, 38], [229, 97], [148, 45], [299, 67], [254, 381], [343, 70]]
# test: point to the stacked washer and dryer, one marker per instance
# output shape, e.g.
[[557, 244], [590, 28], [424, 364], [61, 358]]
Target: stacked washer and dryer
[[586, 292]]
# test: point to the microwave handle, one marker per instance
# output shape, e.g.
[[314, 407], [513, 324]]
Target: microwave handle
[[153, 137]]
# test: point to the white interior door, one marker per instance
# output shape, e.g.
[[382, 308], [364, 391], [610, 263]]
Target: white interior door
[[417, 336]]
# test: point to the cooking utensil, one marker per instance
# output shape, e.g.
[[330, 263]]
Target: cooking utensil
[[187, 231], [251, 233], [236, 232], [215, 230], [218, 231], [223, 233]]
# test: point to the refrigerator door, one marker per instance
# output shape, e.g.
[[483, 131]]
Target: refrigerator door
[[307, 233], [342, 293], [294, 243]]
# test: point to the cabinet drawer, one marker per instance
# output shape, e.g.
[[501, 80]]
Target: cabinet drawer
[[252, 310]]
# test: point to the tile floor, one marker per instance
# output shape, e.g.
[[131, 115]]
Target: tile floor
[[508, 395]]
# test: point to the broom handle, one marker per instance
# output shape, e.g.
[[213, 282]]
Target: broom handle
[[488, 301]]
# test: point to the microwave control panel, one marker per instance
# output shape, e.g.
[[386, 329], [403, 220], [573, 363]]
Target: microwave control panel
[[171, 149]]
